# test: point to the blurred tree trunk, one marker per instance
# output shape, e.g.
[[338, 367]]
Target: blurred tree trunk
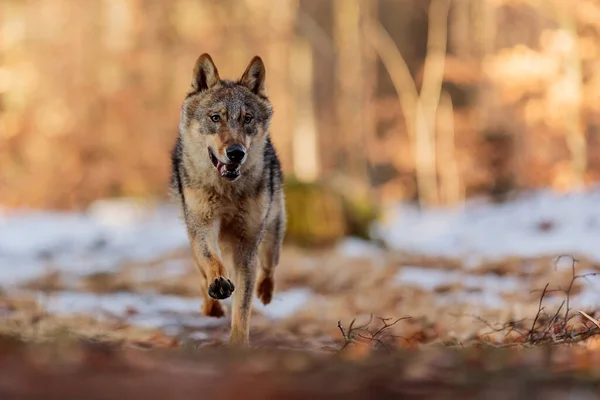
[[484, 26], [433, 75], [354, 87], [419, 109], [572, 81], [501, 135], [304, 141], [370, 10], [315, 23], [451, 188], [483, 13], [281, 35], [460, 34]]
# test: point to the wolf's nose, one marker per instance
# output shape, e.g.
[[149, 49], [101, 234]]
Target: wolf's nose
[[235, 153]]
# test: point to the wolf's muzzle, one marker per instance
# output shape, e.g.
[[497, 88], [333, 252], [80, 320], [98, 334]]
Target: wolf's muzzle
[[236, 153]]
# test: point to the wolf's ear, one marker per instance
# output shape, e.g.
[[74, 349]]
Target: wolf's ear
[[205, 74], [254, 77]]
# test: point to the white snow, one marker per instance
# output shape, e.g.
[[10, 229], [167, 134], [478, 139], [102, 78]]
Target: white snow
[[284, 304], [589, 294], [431, 278], [112, 232], [118, 304], [489, 289], [109, 233], [352, 247], [151, 310], [480, 230], [157, 310], [485, 290]]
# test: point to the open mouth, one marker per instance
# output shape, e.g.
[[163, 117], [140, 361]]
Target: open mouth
[[229, 171]]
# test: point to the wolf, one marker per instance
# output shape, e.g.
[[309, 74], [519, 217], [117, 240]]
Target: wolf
[[227, 178]]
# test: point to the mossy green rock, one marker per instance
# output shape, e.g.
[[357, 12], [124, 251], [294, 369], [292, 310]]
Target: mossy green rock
[[318, 215]]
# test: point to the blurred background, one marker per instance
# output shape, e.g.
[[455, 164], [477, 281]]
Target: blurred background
[[438, 135], [404, 99]]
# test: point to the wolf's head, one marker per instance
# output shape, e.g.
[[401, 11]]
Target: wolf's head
[[225, 123]]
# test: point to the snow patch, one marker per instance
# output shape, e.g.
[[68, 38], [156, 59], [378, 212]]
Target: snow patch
[[484, 290], [285, 304], [431, 278], [159, 311], [99, 240], [356, 248], [541, 223]]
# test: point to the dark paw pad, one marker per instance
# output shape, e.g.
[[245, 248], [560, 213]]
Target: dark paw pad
[[221, 288]]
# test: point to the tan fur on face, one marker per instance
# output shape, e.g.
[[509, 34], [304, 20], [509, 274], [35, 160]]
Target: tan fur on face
[[226, 138]]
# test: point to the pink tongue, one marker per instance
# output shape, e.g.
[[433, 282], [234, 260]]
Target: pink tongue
[[224, 168]]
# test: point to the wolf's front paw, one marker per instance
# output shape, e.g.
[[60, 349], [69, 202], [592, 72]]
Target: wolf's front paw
[[221, 288]]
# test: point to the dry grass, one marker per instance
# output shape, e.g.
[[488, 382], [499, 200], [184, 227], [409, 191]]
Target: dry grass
[[353, 288]]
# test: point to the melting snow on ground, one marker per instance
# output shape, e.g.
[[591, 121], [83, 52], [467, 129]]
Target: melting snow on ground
[[539, 223], [109, 233], [157, 310], [112, 232]]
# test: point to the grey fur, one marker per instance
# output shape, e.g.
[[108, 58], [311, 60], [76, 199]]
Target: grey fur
[[247, 213]]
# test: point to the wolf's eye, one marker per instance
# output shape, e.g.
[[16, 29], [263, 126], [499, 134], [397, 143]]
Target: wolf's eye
[[248, 118], [215, 118]]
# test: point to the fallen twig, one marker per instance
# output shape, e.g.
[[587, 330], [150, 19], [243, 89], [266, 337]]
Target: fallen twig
[[376, 337], [590, 318]]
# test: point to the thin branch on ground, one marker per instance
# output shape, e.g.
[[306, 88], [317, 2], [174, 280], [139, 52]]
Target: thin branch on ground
[[595, 322], [546, 329], [367, 334], [555, 329], [540, 309], [347, 339]]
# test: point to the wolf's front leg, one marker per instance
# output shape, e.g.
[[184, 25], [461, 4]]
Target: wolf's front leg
[[216, 284], [245, 265], [210, 307]]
